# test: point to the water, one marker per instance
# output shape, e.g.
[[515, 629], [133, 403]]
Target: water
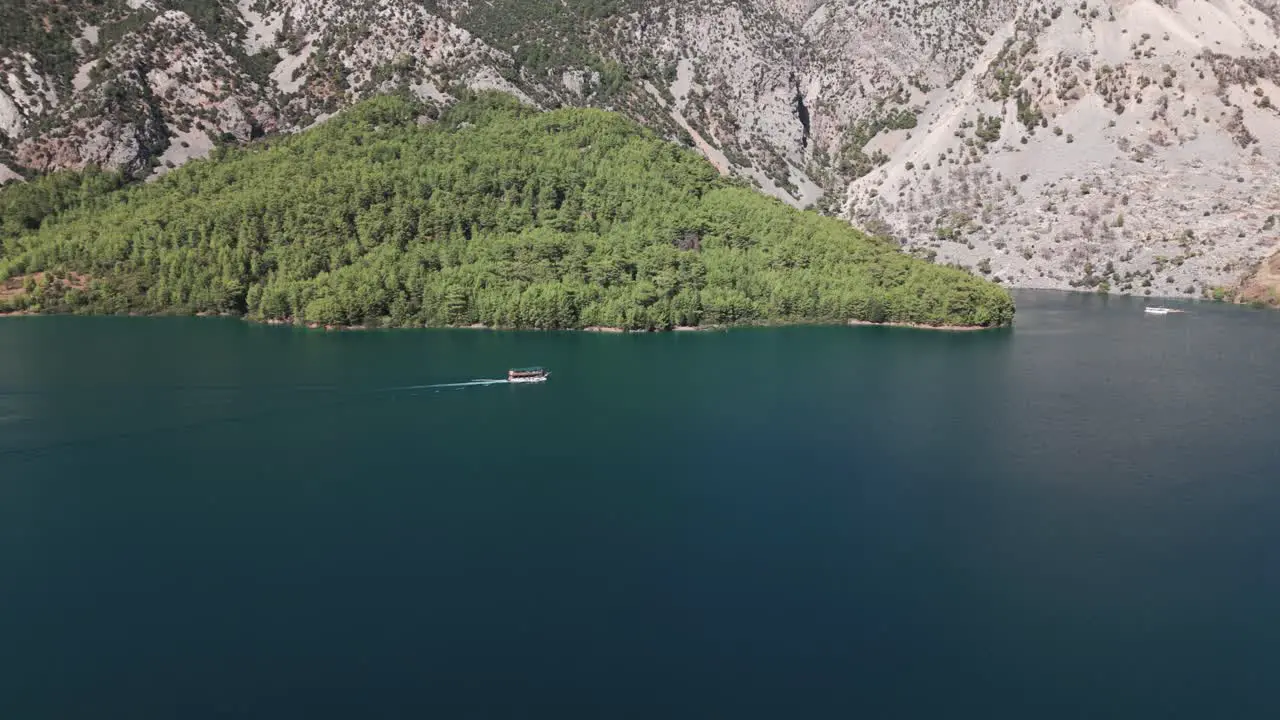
[[1076, 518]]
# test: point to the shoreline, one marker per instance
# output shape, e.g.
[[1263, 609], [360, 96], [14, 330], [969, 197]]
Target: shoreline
[[290, 322], [606, 329], [923, 326], [677, 328]]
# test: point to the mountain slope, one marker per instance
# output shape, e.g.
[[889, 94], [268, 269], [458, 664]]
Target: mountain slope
[[497, 215], [1145, 129], [1125, 145]]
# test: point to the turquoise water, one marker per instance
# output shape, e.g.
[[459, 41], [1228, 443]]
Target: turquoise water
[[1079, 517]]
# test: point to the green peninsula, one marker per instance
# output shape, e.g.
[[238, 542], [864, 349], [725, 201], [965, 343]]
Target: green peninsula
[[494, 214]]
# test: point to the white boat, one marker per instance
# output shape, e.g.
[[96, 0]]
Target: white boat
[[1154, 310], [527, 375]]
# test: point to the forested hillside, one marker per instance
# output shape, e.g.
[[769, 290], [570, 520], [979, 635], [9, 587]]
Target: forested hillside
[[496, 214]]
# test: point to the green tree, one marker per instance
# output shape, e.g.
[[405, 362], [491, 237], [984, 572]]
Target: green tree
[[494, 214]]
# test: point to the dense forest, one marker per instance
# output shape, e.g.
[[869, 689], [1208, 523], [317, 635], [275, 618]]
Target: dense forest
[[494, 214]]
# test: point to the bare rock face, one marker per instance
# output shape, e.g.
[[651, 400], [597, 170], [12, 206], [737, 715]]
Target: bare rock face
[[1117, 145], [1125, 146], [1262, 285], [127, 100]]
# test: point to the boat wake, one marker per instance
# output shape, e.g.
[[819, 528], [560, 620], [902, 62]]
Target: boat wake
[[443, 386]]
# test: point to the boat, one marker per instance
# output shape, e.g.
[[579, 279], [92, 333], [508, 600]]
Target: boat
[[527, 375], [1155, 310]]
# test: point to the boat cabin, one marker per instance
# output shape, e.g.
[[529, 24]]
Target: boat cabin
[[527, 374]]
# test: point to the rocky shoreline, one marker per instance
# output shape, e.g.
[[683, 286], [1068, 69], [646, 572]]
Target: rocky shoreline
[[922, 326], [619, 330], [290, 322]]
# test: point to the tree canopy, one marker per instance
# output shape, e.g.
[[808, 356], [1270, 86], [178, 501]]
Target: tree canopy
[[496, 214]]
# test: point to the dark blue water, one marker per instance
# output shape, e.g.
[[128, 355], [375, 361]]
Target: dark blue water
[[1076, 518]]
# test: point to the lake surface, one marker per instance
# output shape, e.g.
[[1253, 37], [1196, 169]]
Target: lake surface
[[1079, 517]]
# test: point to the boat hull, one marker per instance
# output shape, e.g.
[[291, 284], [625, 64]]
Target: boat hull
[[528, 379]]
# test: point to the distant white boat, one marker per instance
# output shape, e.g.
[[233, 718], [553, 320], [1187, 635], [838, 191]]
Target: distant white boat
[[1155, 310]]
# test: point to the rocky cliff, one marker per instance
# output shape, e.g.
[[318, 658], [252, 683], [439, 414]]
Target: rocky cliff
[[1125, 145]]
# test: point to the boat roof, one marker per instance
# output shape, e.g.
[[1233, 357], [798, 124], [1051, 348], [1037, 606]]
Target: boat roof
[[527, 369]]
